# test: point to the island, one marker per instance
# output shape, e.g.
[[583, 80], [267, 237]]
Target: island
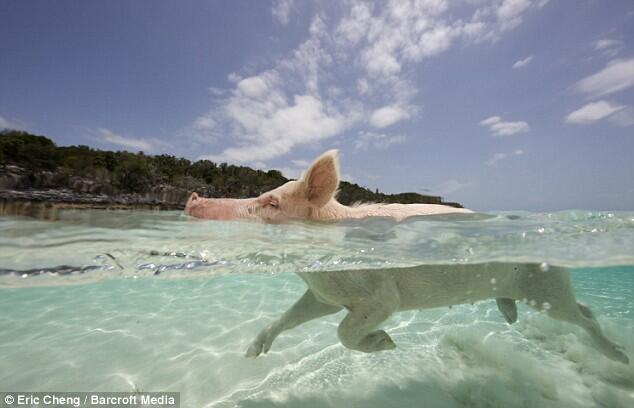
[[38, 178]]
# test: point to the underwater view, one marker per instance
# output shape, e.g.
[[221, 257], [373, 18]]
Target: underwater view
[[97, 300]]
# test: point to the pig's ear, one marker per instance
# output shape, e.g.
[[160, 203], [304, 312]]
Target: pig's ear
[[321, 179]]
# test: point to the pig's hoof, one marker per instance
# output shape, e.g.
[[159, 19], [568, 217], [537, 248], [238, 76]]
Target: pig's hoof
[[617, 353], [254, 350], [261, 344], [612, 351], [508, 308], [377, 341]]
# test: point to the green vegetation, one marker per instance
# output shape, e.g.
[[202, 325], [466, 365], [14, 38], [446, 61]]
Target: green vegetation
[[49, 166]]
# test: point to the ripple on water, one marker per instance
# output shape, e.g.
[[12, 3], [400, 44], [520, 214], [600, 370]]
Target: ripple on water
[[95, 245]]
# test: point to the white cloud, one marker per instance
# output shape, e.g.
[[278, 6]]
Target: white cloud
[[253, 87], [523, 62], [299, 166], [363, 87], [113, 138], [405, 32], [13, 124], [355, 26], [290, 172], [282, 10], [493, 18], [307, 97], [295, 172], [217, 91], [387, 115], [7, 124], [401, 32], [592, 112], [503, 156], [605, 44], [233, 77], [273, 127], [623, 118], [376, 140], [498, 127], [490, 121], [616, 76], [608, 46], [348, 177], [205, 123], [509, 13], [310, 59], [258, 165], [268, 114]]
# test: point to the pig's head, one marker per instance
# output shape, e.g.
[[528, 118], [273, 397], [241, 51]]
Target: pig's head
[[299, 199]]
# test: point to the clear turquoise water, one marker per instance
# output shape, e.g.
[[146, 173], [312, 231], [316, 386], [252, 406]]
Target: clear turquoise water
[[157, 301]]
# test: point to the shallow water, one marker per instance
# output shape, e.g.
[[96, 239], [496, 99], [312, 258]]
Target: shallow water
[[117, 301]]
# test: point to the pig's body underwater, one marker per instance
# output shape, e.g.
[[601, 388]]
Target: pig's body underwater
[[371, 296]]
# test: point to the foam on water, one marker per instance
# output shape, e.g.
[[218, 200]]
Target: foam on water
[[155, 333]]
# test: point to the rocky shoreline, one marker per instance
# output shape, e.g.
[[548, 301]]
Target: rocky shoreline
[[38, 178], [71, 198], [47, 203], [35, 194], [40, 194]]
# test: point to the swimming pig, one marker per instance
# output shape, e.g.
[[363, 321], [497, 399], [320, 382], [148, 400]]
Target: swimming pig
[[371, 296], [312, 197]]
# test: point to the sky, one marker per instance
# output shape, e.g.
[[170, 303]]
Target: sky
[[496, 104]]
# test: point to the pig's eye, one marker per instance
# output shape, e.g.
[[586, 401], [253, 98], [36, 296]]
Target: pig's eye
[[272, 202]]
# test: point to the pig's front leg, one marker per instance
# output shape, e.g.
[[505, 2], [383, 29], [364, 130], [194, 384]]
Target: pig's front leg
[[305, 309]]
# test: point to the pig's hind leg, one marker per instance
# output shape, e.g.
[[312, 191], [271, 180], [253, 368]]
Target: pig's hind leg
[[356, 330], [552, 291], [583, 316]]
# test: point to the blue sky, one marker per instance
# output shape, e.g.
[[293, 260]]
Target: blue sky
[[498, 104]]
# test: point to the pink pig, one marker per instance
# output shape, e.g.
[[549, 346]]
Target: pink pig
[[312, 197], [371, 296]]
